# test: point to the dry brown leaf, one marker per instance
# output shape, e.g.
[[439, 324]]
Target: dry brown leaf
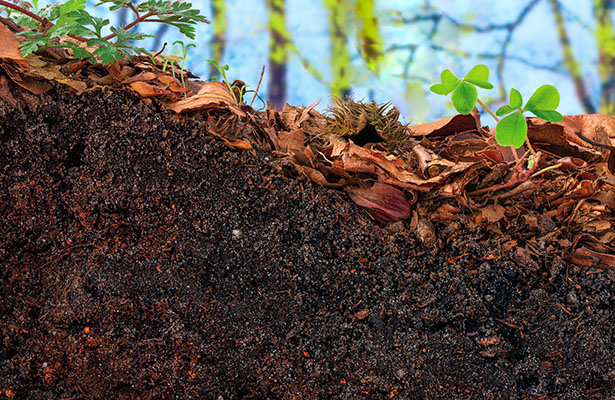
[[44, 70], [9, 46], [562, 138], [289, 116], [145, 89], [167, 79], [492, 212], [316, 176], [590, 258], [143, 76], [177, 88], [291, 142], [211, 95], [239, 144], [448, 126], [33, 85]]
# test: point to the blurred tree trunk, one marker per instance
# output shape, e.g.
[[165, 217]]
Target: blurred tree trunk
[[218, 41], [279, 41], [569, 59], [370, 41], [605, 37], [341, 67]]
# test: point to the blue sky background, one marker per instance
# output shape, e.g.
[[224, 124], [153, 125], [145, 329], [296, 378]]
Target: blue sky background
[[535, 40]]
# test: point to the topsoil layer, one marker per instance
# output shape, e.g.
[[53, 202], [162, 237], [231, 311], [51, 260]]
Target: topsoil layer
[[141, 258]]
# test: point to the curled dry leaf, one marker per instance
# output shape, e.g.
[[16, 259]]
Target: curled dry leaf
[[384, 202], [210, 95], [563, 138], [448, 126], [143, 76]]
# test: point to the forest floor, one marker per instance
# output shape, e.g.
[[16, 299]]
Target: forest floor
[[145, 255]]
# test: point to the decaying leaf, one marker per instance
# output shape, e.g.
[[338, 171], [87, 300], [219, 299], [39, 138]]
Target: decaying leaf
[[145, 89], [210, 95], [566, 137], [448, 126], [9, 47], [384, 202]]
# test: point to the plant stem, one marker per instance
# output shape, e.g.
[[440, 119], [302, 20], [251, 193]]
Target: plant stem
[[542, 171], [130, 25], [527, 140], [23, 11], [484, 106]]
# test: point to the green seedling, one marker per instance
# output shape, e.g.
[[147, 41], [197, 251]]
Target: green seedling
[[222, 69], [184, 55], [165, 63], [512, 129], [53, 23]]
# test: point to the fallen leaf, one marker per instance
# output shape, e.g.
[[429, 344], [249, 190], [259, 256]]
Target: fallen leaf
[[9, 46], [492, 212], [143, 76], [590, 258], [384, 202], [146, 90], [448, 126], [211, 95]]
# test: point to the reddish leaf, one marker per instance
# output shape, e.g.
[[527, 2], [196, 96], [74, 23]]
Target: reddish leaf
[[385, 202]]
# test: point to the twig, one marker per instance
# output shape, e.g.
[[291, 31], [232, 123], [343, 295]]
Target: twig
[[11, 24], [130, 25], [23, 11], [258, 86], [161, 50]]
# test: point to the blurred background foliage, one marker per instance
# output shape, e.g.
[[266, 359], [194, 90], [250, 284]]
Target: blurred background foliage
[[393, 50]]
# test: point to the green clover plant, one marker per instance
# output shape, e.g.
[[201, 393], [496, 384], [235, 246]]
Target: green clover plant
[[512, 129], [71, 19]]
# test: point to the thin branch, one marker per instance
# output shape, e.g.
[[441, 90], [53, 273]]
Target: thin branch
[[24, 11], [556, 68], [134, 10], [130, 25]]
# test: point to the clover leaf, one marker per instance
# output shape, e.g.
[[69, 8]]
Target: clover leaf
[[464, 90], [516, 100], [464, 98], [543, 103], [511, 130], [449, 83], [479, 76]]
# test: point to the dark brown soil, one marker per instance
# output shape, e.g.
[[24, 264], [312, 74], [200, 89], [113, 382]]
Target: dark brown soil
[[141, 258]]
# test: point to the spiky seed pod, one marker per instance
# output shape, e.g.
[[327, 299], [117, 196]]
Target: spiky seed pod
[[350, 118]]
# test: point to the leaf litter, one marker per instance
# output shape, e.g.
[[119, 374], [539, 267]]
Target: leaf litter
[[444, 176]]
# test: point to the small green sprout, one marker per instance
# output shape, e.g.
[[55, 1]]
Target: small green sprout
[[184, 55], [512, 129], [165, 63], [223, 69]]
